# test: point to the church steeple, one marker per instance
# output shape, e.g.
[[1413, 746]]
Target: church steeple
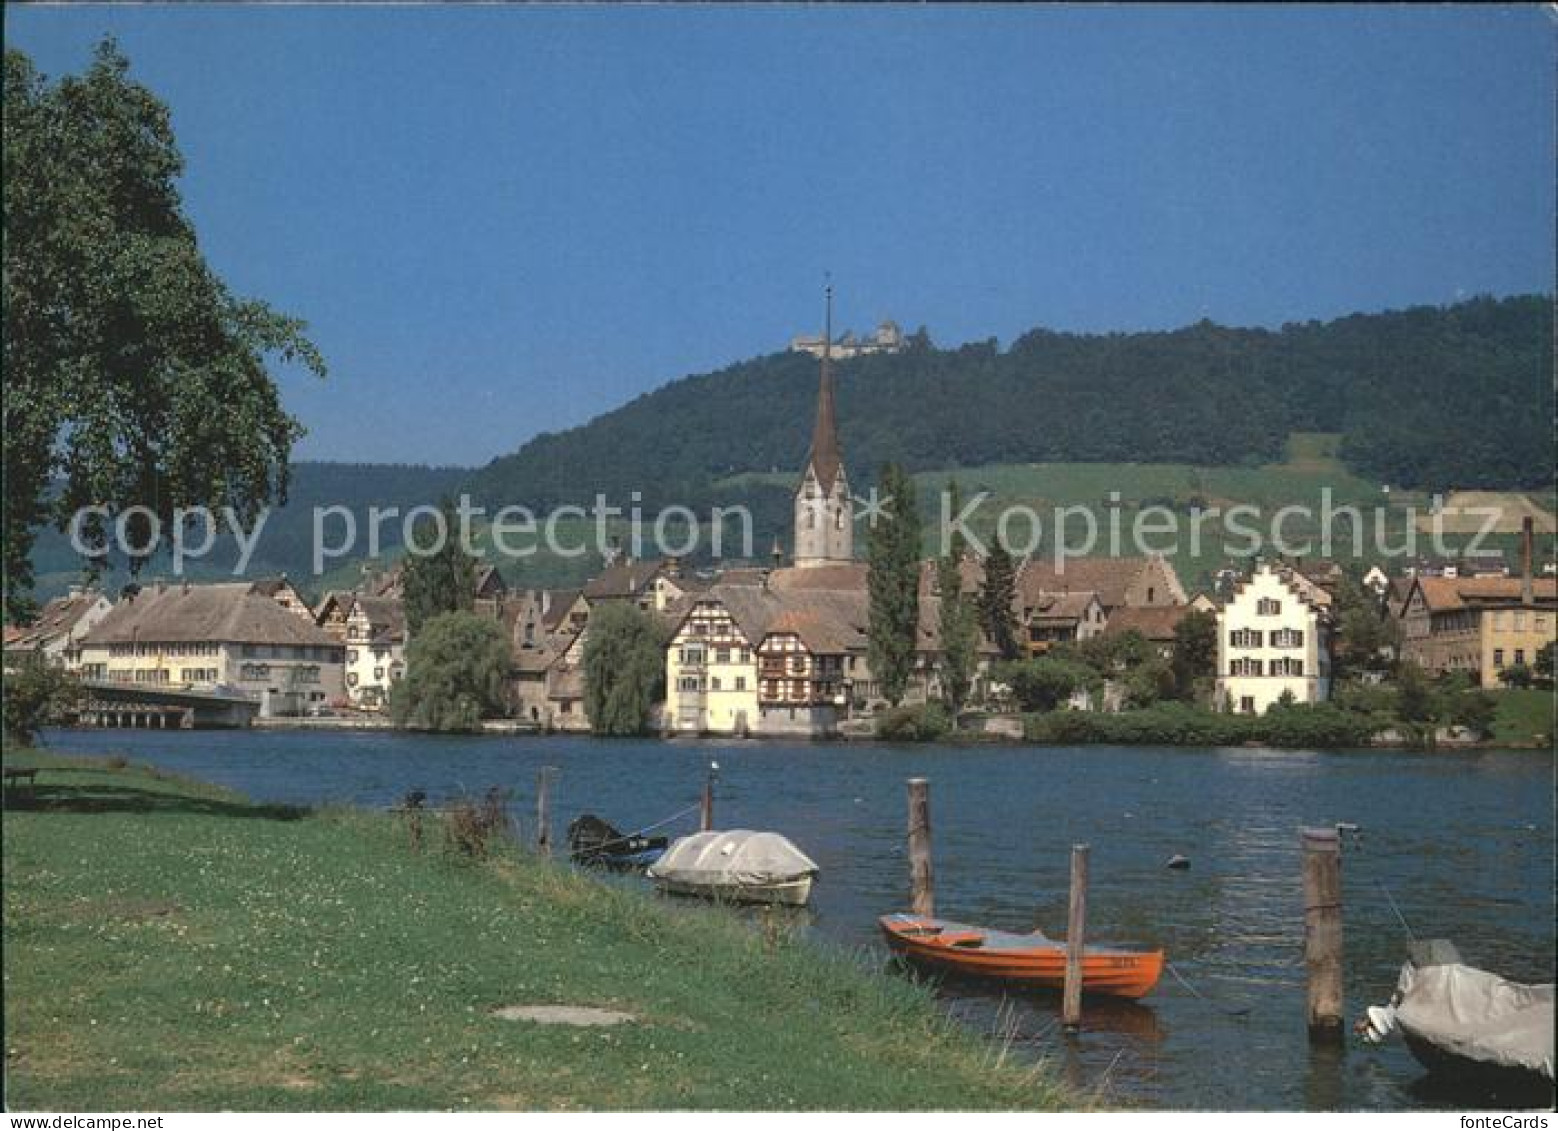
[[825, 459], [824, 520]]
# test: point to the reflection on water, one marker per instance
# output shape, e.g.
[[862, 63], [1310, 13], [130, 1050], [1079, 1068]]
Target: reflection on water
[[1462, 842]]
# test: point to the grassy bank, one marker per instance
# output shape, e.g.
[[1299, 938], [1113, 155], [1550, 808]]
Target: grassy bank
[[169, 945], [1524, 717]]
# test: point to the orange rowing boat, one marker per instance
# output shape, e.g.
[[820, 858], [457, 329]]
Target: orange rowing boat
[[1032, 960]]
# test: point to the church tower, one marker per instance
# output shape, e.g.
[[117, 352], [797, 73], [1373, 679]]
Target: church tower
[[824, 520]]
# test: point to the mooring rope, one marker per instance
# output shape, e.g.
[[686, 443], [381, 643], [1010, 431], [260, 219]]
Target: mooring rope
[[628, 838]]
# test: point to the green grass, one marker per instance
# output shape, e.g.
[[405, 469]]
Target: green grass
[[1524, 718], [169, 945]]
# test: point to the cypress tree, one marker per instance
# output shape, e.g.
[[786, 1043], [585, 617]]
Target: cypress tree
[[996, 599], [958, 622], [893, 546]]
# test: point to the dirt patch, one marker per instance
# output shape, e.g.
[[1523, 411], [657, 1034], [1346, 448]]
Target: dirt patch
[[583, 1016], [132, 910]]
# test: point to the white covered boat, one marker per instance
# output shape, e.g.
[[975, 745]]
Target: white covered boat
[[739, 865], [1461, 1022]]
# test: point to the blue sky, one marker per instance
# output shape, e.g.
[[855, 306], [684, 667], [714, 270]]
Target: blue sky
[[505, 220]]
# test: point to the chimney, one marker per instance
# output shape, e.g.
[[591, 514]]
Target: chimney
[[1527, 586]]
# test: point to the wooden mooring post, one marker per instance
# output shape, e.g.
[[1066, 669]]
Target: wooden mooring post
[[706, 807], [1323, 933], [544, 809], [1076, 937], [922, 881]]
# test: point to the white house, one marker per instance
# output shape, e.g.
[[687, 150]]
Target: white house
[[375, 650], [1273, 637], [61, 624]]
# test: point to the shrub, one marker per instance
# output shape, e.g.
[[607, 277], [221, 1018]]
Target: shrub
[[925, 722]]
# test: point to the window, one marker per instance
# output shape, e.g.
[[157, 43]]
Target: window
[[351, 679], [746, 655], [351, 655], [1520, 655], [1287, 638], [1150, 592], [1498, 657], [1268, 607], [722, 655], [714, 684], [1244, 666], [378, 673], [1246, 638], [1247, 704], [741, 683]]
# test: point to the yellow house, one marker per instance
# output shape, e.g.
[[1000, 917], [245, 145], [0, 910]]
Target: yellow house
[[711, 665], [1478, 625]]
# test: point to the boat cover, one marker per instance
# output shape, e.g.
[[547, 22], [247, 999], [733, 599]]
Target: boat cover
[[739, 857], [1478, 1015]]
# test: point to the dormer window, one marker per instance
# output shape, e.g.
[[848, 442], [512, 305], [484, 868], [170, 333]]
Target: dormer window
[[1268, 607]]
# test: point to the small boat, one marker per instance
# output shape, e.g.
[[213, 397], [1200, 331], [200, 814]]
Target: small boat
[[1031, 960], [739, 865], [1466, 1024], [596, 843]]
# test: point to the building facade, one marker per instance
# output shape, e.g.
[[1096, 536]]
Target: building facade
[[225, 637], [1273, 639]]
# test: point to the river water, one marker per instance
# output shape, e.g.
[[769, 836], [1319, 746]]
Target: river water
[[1463, 843]]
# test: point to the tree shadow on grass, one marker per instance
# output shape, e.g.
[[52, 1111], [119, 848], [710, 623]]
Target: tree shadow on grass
[[52, 797]]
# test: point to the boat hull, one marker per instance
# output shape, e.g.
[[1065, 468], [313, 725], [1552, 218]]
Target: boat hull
[[789, 893], [1031, 961]]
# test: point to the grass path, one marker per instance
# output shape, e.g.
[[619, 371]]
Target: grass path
[[169, 945]]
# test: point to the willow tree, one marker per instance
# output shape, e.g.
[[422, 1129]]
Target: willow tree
[[133, 378], [624, 668]]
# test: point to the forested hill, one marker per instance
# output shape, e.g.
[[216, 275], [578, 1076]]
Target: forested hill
[[1426, 397]]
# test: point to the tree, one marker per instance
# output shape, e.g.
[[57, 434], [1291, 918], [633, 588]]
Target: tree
[[1364, 630], [1149, 681], [957, 620], [134, 379], [456, 675], [1045, 683], [440, 582], [624, 668], [893, 545], [36, 693], [1516, 676], [997, 601], [1195, 651], [1543, 667]]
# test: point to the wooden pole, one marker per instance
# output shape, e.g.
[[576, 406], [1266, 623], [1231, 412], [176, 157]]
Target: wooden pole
[[1076, 936], [922, 881], [544, 810], [706, 815], [1323, 932]]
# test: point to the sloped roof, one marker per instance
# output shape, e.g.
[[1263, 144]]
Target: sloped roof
[[624, 579], [1110, 578], [839, 575], [228, 613], [1155, 623], [1061, 608], [1442, 594], [55, 620], [386, 618]]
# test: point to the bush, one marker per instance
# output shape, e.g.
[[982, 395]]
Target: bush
[[1316, 725], [1045, 683], [925, 722], [37, 693], [1183, 724]]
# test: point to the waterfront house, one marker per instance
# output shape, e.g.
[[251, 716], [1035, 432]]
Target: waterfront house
[[375, 650], [1273, 638], [1478, 625], [227, 637], [1155, 624], [57, 632]]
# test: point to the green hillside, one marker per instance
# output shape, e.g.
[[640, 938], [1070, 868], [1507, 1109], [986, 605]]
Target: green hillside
[[1423, 398]]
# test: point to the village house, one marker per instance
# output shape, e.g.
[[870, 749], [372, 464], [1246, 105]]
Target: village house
[[1273, 639], [1479, 625], [216, 637], [375, 650], [544, 627], [57, 632]]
